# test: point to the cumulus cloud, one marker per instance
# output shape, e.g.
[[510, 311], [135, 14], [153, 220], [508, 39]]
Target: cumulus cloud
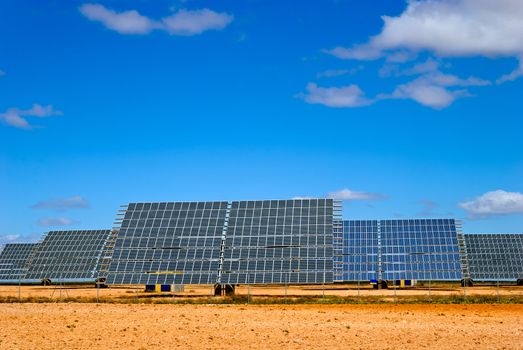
[[444, 28], [17, 117], [56, 221], [497, 202], [348, 195], [447, 28], [339, 97], [73, 202], [182, 22]]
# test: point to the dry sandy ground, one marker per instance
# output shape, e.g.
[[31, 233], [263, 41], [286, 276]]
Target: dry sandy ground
[[77, 291], [91, 326]]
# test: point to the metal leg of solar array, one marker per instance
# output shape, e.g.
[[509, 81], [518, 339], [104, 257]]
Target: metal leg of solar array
[[337, 248], [105, 260], [462, 248], [222, 245], [379, 273]]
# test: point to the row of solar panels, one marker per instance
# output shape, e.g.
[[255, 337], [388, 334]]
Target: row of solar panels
[[262, 242], [424, 249]]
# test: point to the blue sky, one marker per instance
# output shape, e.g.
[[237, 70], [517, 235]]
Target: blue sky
[[416, 114]]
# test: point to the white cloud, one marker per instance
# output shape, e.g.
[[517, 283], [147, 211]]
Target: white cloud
[[186, 22], [16, 117], [494, 203], [59, 221], [182, 22], [346, 194], [445, 28], [126, 22], [448, 28], [434, 89], [63, 203], [345, 96]]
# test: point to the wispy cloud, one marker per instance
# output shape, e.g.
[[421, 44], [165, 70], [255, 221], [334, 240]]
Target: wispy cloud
[[9, 238], [56, 221], [182, 22], [350, 195], [432, 89], [436, 90], [73, 202], [18, 238], [497, 202], [338, 97], [331, 73], [18, 117]]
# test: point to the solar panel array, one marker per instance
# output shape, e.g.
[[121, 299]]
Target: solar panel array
[[68, 255], [240, 242], [495, 257], [168, 243], [358, 256], [13, 261], [419, 249], [278, 242]]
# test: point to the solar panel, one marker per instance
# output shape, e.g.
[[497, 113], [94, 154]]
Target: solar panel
[[13, 261], [240, 242], [168, 243], [278, 242], [68, 256], [358, 253], [495, 257], [419, 249]]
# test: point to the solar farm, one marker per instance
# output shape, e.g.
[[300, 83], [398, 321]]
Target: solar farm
[[269, 267], [301, 244]]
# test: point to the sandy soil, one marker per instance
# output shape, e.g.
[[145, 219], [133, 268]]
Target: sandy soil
[[89, 291], [90, 326]]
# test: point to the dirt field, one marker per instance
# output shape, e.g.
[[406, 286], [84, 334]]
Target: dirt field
[[52, 293], [91, 326]]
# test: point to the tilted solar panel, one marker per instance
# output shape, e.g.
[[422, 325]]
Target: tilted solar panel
[[420, 249], [13, 261], [240, 242], [278, 242], [68, 256], [358, 253], [168, 243], [495, 257]]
